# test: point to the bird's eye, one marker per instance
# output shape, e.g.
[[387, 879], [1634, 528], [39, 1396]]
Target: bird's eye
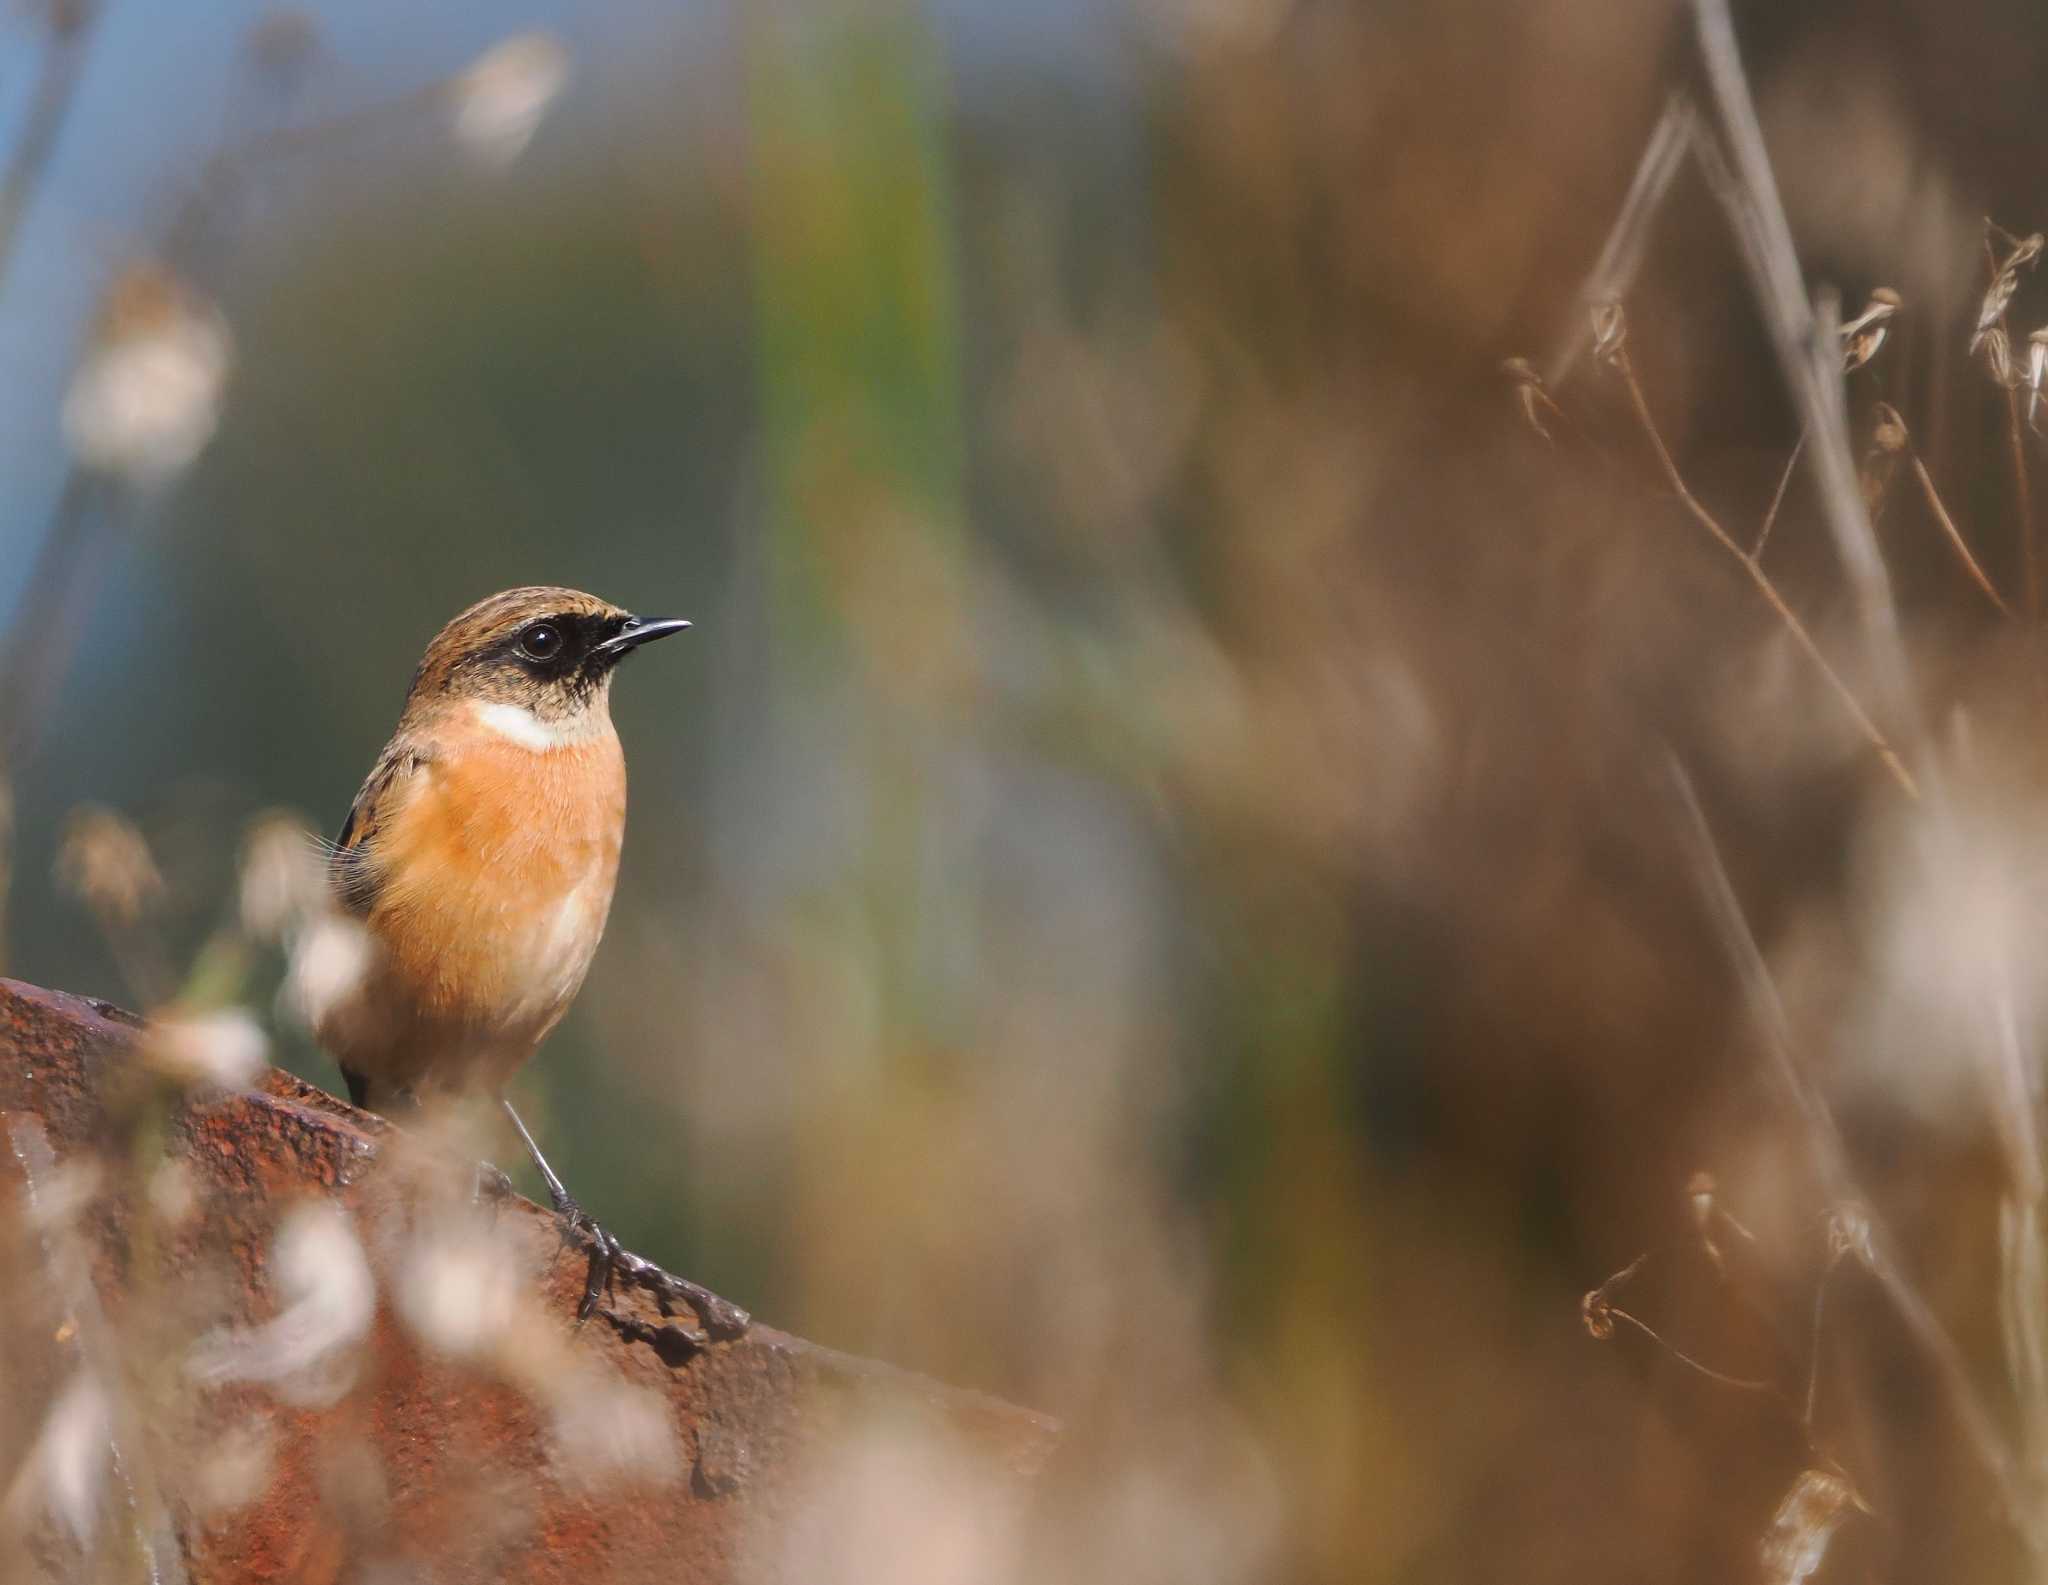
[[542, 641]]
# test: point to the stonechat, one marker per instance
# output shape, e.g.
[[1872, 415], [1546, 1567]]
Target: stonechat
[[479, 859]]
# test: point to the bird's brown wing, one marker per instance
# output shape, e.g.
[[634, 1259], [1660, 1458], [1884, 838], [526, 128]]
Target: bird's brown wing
[[353, 869]]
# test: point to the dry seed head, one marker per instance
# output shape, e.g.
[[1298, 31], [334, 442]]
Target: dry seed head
[[1890, 435], [282, 882], [1597, 1310], [329, 959], [63, 1196], [1610, 331], [1997, 355], [1992, 309], [2037, 372], [1865, 334], [1699, 1193], [146, 396], [1529, 393], [2021, 252], [284, 40], [67, 1467], [1849, 1233], [235, 1469], [2005, 280], [459, 1291], [500, 101], [173, 1193], [1863, 347], [105, 863], [1992, 305], [608, 1430], [1796, 1544], [328, 1300], [224, 1048], [1883, 304]]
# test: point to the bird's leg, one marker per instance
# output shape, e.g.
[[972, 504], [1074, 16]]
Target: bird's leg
[[721, 1317], [605, 1251]]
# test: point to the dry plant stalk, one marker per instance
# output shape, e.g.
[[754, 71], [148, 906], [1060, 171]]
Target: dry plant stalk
[[1610, 346], [1893, 438], [1725, 138], [1862, 337], [1676, 133], [1763, 534], [1809, 352]]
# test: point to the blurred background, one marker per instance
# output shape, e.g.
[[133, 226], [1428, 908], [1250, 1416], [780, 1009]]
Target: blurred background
[[1156, 887]]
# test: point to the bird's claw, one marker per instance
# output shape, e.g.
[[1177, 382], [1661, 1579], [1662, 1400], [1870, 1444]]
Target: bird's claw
[[605, 1251], [721, 1317], [611, 1261]]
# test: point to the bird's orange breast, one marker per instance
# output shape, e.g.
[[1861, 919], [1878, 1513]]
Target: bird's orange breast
[[497, 874]]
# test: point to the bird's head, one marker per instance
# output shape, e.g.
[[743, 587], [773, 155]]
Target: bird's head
[[537, 661]]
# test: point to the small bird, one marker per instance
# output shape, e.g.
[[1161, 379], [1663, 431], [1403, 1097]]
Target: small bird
[[480, 856]]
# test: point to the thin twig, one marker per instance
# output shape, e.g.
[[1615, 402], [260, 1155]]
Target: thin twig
[[1761, 580], [1686, 1359], [1955, 538], [1763, 535], [1663, 155]]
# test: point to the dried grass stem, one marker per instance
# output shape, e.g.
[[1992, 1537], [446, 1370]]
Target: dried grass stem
[[1763, 534], [1955, 538], [1761, 579]]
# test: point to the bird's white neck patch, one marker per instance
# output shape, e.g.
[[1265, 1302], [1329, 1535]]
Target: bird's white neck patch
[[517, 724]]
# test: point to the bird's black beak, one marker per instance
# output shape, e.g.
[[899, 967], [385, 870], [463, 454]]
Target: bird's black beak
[[638, 631]]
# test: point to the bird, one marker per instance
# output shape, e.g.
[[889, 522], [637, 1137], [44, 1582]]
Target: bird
[[479, 860]]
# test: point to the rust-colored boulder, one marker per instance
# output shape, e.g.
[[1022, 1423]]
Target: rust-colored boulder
[[240, 1343]]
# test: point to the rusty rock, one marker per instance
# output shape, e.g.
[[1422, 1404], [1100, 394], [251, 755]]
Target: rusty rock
[[396, 1454]]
